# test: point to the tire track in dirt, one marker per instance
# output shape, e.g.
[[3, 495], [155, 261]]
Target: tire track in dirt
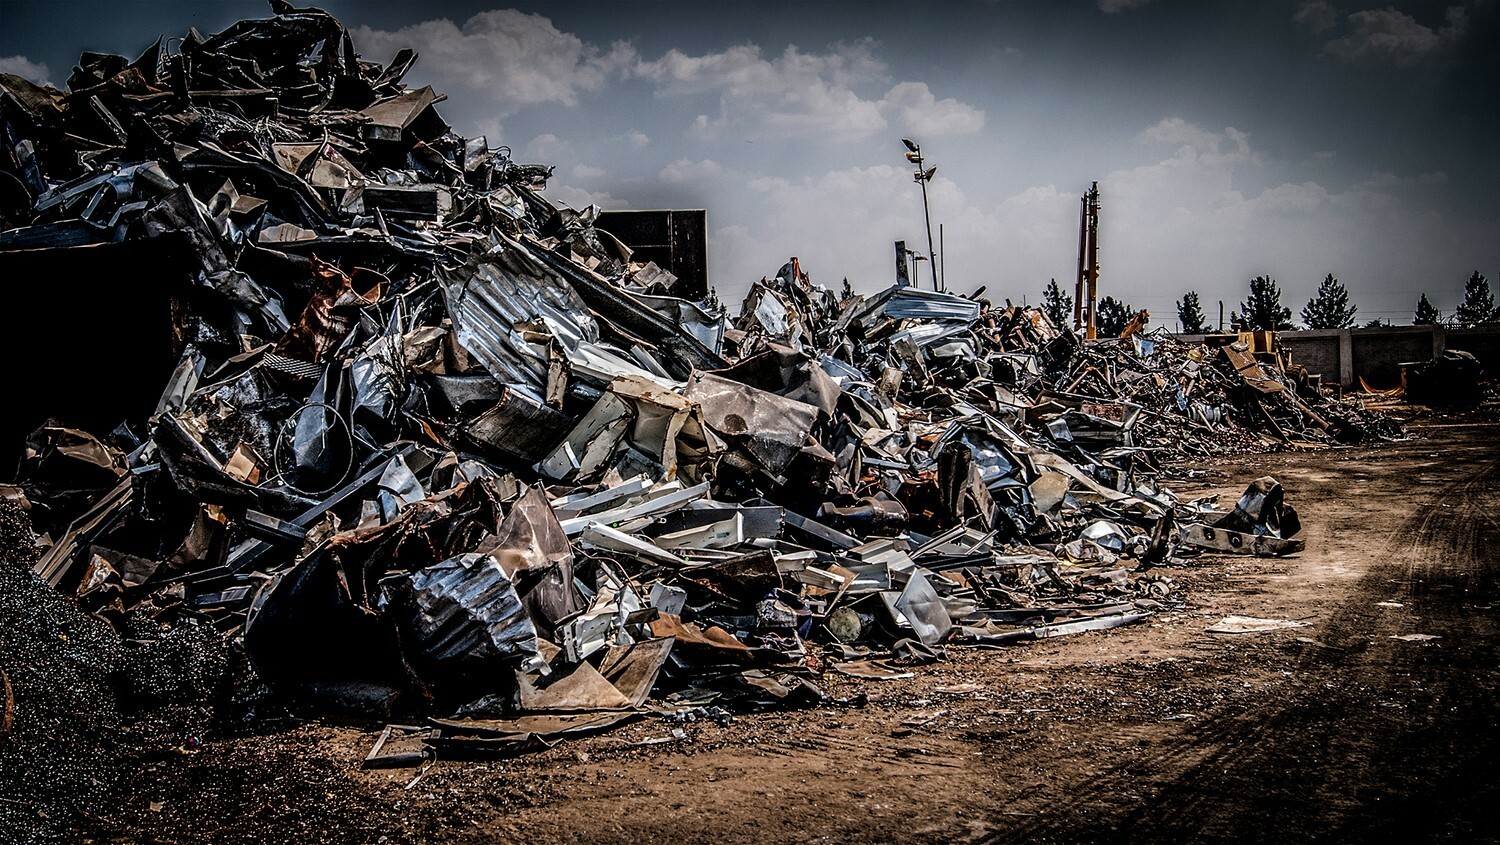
[[1374, 737]]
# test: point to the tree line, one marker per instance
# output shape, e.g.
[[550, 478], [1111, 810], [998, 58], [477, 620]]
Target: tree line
[[1329, 308]]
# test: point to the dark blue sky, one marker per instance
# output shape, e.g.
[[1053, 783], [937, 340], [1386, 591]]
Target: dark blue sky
[[1229, 138]]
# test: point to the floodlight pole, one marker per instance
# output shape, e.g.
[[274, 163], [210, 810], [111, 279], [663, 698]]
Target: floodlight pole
[[927, 216], [922, 178]]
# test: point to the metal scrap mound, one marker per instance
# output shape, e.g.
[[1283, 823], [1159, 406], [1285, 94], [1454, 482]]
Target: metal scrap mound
[[437, 447]]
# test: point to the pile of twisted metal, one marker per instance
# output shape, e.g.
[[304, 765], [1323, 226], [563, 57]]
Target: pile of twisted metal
[[434, 445]]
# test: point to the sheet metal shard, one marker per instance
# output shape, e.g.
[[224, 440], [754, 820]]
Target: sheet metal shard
[[581, 689], [1252, 625], [774, 428], [1234, 542], [871, 670], [924, 609], [523, 733], [530, 537], [633, 668]]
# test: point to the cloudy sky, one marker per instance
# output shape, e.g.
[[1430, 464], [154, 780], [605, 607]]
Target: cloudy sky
[[1229, 138]]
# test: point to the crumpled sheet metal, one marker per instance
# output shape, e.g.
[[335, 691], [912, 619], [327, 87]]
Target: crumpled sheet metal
[[465, 615], [1262, 524], [1262, 510], [774, 428], [791, 375], [530, 537], [640, 417]]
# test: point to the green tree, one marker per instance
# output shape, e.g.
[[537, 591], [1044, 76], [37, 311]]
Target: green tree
[[1113, 316], [1377, 323], [1263, 309], [1190, 314], [1329, 308], [1426, 315], [1057, 305], [1478, 305]]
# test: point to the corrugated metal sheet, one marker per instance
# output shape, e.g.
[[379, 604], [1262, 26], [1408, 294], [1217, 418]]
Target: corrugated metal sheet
[[467, 611], [489, 298], [909, 303]]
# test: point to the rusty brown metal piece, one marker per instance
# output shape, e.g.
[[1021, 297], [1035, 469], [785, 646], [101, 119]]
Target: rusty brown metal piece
[[7, 707], [333, 309]]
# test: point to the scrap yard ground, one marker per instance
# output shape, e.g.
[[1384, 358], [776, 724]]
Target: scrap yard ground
[[1157, 732]]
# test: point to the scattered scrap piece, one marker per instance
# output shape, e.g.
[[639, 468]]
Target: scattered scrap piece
[[1252, 625]]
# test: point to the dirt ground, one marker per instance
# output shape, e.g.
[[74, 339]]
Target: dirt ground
[[1158, 732]]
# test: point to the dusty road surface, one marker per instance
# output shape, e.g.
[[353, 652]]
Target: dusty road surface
[[1162, 732]]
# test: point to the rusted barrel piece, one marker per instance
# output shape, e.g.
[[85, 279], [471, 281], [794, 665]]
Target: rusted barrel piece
[[7, 707]]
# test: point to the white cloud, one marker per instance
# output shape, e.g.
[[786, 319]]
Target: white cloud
[[1183, 223], [800, 95], [1318, 159], [22, 66], [1230, 147], [688, 171], [511, 58], [1316, 16], [547, 149], [1112, 6], [575, 197], [742, 71], [1381, 35], [1385, 181], [841, 223], [584, 172], [912, 106], [1170, 223], [491, 129], [1175, 130]]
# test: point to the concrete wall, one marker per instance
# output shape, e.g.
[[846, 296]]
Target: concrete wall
[[1343, 356], [1379, 353], [1321, 351]]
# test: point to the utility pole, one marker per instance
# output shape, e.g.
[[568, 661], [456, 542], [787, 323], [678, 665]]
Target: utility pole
[[922, 177], [1083, 246], [1086, 291], [942, 259]]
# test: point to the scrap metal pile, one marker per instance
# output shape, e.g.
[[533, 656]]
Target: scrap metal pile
[[436, 444], [1185, 400]]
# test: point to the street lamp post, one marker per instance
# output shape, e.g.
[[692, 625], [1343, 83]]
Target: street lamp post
[[922, 177]]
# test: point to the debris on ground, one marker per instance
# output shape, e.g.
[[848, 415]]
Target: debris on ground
[[1451, 379], [1252, 625], [438, 452]]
